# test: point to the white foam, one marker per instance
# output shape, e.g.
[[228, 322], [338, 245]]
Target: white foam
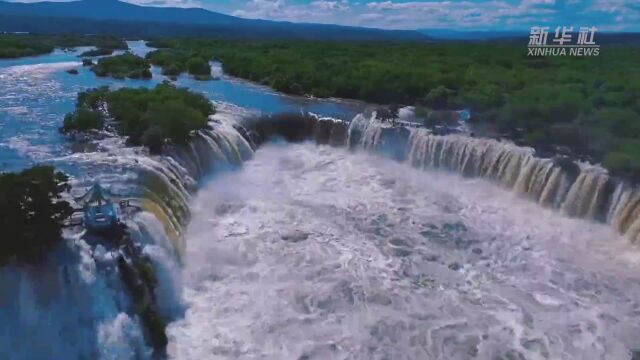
[[368, 271]]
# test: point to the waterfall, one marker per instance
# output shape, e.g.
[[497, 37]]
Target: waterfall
[[576, 189], [78, 302]]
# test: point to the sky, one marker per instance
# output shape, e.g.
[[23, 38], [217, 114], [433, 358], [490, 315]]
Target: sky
[[605, 15]]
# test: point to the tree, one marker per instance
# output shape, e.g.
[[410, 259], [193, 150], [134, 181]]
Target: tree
[[197, 66], [438, 98], [83, 119], [32, 212]]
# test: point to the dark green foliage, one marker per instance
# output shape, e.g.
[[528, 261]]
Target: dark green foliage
[[147, 117], [197, 66], [161, 43], [139, 277], [13, 46], [439, 98], [121, 66], [31, 212], [146, 271], [83, 119], [97, 52], [590, 104], [388, 113], [174, 62], [99, 41]]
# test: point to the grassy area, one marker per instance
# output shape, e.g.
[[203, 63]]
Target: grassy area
[[121, 66], [149, 117], [589, 104], [31, 212], [18, 45]]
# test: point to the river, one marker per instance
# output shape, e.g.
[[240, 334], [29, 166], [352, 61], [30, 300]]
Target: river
[[306, 251]]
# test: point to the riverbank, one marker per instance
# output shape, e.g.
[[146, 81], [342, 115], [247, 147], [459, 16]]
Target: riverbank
[[586, 105], [22, 45], [78, 291]]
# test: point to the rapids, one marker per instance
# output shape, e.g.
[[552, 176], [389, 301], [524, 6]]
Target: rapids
[[310, 252], [74, 305], [314, 252]]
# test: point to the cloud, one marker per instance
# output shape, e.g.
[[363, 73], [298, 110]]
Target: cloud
[[461, 15], [369, 17], [623, 12], [315, 11], [330, 5]]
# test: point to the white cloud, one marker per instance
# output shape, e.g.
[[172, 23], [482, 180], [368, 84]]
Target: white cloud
[[325, 5], [322, 11], [454, 14], [463, 14], [369, 17], [528, 3]]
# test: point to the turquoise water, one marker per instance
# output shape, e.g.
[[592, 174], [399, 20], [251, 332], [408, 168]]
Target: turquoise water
[[36, 92]]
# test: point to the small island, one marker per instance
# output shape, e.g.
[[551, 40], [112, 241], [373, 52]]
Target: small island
[[105, 45], [97, 52], [123, 66], [175, 62], [148, 117]]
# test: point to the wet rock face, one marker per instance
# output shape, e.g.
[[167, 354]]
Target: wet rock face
[[139, 277], [289, 127], [296, 128], [339, 134], [393, 142], [329, 132], [322, 132], [354, 138], [568, 166], [295, 236]]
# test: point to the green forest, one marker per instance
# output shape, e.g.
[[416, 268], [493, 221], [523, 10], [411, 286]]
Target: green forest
[[176, 62], [17, 45], [31, 212], [148, 117], [121, 66], [588, 104]]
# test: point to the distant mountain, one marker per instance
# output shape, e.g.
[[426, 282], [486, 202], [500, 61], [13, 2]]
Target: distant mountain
[[113, 16]]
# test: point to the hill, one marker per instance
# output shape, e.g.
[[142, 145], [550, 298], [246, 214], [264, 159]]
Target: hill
[[125, 19]]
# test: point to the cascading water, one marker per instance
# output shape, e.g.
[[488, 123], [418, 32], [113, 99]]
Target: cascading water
[[76, 300], [80, 299], [310, 252], [313, 252], [576, 189]]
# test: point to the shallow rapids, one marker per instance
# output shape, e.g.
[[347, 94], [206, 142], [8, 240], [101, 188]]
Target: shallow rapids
[[314, 253]]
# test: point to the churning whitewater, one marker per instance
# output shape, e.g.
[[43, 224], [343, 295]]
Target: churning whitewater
[[312, 252]]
